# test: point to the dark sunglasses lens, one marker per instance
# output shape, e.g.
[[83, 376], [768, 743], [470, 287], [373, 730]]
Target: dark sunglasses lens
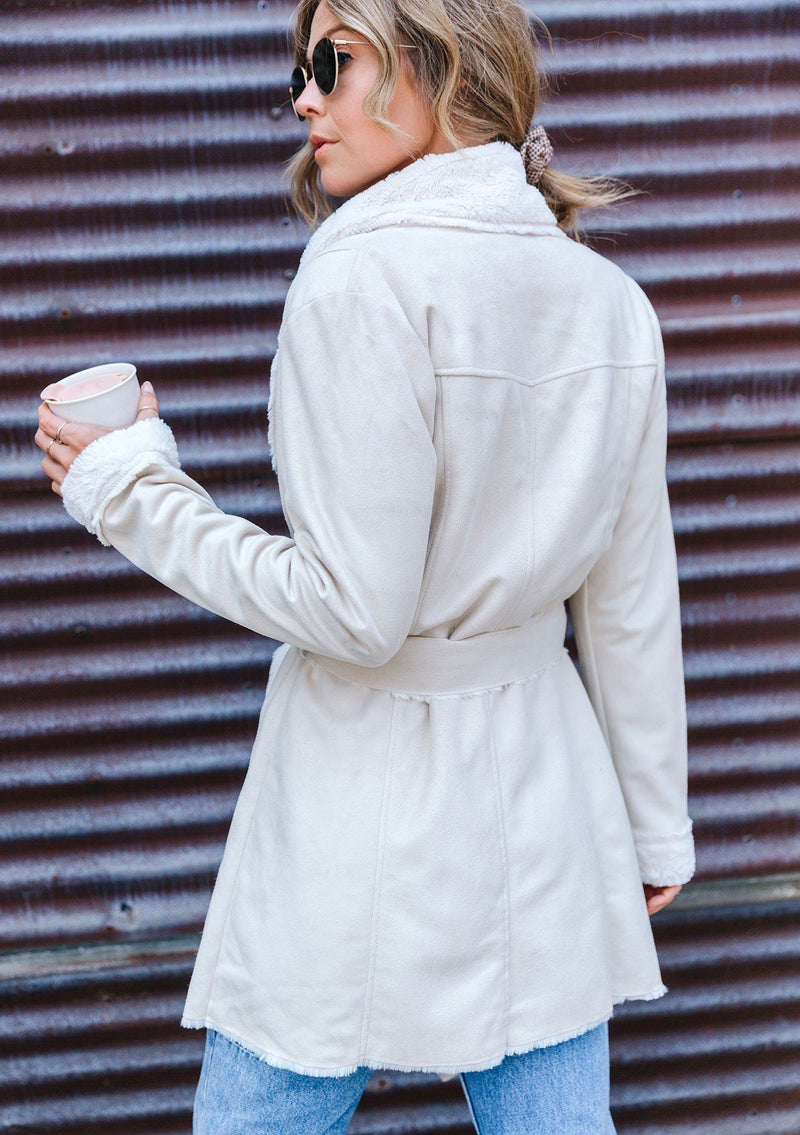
[[324, 60], [297, 84], [323, 67]]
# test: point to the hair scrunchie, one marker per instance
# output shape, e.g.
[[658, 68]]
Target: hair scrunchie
[[536, 151]]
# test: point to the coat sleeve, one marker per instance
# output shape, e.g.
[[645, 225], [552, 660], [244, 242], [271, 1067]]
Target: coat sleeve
[[356, 472], [627, 623]]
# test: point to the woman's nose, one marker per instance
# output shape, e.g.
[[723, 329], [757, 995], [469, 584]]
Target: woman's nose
[[310, 100]]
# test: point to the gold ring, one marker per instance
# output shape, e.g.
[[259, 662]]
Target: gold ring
[[58, 432], [50, 446], [138, 412]]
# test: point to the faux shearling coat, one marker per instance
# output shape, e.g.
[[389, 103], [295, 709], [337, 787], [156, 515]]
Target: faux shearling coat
[[438, 850]]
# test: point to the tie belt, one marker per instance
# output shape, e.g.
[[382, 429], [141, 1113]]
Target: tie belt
[[430, 666]]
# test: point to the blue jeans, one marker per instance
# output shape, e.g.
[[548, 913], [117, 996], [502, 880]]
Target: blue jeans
[[562, 1088]]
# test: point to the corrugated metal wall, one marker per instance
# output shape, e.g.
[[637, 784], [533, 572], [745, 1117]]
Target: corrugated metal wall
[[144, 217]]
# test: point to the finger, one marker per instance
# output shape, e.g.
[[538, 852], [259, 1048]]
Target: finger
[[56, 489], [147, 395], [45, 441], [146, 412], [666, 895], [53, 428], [53, 470], [48, 420]]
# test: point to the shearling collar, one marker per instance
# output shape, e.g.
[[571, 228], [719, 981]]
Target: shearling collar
[[476, 187]]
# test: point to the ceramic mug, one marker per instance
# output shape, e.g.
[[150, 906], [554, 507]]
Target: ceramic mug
[[112, 408]]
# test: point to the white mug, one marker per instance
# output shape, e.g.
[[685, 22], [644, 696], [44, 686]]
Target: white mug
[[112, 409]]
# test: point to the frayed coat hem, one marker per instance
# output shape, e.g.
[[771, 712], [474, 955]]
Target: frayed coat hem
[[445, 1073]]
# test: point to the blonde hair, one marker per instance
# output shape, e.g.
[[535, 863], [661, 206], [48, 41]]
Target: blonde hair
[[476, 68]]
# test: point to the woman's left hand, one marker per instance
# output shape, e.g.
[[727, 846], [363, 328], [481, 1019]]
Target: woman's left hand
[[659, 897], [62, 441]]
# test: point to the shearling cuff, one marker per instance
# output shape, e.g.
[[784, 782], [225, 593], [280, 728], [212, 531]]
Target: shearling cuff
[[107, 465], [666, 860]]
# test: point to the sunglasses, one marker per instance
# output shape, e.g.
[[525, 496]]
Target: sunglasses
[[324, 69]]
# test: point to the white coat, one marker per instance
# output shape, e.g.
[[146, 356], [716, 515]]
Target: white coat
[[437, 854]]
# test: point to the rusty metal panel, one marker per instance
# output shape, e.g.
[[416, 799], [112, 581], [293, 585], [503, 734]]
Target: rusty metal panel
[[143, 216]]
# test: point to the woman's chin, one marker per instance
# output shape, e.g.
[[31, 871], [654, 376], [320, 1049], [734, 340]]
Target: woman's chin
[[341, 182], [340, 190]]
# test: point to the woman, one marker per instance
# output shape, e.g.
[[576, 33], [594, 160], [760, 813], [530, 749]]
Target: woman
[[448, 841]]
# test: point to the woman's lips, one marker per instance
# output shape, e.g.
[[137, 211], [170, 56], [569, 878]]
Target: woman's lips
[[321, 149]]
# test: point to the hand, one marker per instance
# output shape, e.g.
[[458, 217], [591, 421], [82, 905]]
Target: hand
[[659, 897], [74, 437]]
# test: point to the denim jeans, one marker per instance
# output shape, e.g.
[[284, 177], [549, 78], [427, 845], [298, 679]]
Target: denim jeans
[[561, 1088]]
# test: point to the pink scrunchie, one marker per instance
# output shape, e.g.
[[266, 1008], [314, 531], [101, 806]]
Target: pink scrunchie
[[536, 151]]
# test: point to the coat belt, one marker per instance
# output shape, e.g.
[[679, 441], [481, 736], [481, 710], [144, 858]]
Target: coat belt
[[431, 666]]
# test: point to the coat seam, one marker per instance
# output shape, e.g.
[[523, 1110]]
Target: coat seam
[[356, 287], [504, 850], [376, 886], [383, 301], [433, 554], [512, 376], [611, 364], [530, 474]]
